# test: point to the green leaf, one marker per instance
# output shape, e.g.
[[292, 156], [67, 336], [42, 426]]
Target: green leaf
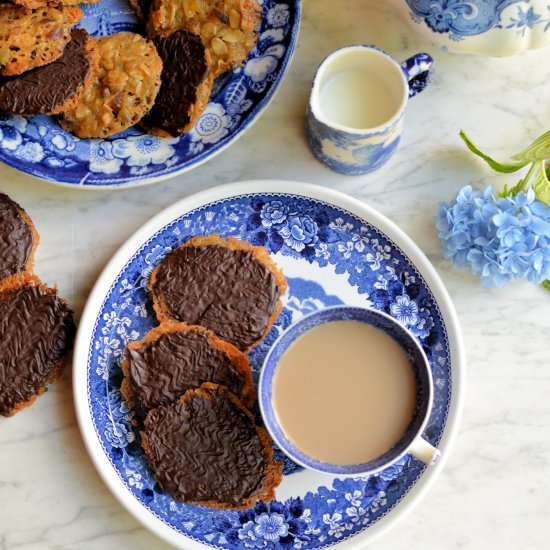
[[538, 150], [546, 284], [541, 184], [497, 166]]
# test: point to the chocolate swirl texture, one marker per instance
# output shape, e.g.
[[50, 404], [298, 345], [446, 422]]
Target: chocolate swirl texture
[[36, 329], [227, 291], [160, 371], [184, 69], [205, 448], [16, 238], [45, 90]]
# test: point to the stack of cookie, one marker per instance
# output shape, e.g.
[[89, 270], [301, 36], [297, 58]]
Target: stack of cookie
[[189, 380], [36, 326], [99, 87]]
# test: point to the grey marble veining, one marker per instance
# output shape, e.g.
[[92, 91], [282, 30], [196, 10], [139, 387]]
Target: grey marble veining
[[494, 492]]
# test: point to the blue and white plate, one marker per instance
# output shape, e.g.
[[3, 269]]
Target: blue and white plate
[[40, 147], [333, 249]]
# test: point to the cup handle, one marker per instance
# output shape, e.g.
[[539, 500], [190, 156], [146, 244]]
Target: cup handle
[[424, 451], [418, 71]]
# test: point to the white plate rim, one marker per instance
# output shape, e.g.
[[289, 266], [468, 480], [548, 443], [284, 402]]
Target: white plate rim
[[336, 198]]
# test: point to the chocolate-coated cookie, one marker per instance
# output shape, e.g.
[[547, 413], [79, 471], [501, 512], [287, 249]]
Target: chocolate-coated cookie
[[18, 238], [228, 286], [175, 357], [36, 330], [186, 83], [52, 88], [32, 38], [205, 449], [228, 28]]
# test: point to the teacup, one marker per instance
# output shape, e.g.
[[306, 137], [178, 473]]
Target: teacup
[[333, 418], [354, 118]]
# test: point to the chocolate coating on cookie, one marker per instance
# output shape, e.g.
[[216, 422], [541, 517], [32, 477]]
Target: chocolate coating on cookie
[[36, 329], [16, 238], [184, 69], [47, 89], [162, 370], [227, 291], [205, 448]]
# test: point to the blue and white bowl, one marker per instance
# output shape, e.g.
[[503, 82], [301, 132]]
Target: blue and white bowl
[[419, 363], [38, 146]]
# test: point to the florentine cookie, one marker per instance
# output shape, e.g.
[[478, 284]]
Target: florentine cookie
[[34, 4], [142, 8], [123, 90], [18, 238], [175, 357], [52, 88], [228, 28], [205, 449], [228, 286], [186, 83], [32, 38], [36, 330]]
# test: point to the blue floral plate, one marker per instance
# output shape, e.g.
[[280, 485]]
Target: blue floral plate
[[333, 249], [40, 147]]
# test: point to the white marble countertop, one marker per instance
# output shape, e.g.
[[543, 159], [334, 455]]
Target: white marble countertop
[[495, 490]]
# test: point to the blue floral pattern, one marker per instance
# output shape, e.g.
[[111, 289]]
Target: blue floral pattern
[[38, 146], [302, 232], [460, 19]]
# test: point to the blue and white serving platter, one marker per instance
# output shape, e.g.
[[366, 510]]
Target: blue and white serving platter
[[333, 249], [40, 147]]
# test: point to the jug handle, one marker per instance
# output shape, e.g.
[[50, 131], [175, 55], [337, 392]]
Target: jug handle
[[419, 71]]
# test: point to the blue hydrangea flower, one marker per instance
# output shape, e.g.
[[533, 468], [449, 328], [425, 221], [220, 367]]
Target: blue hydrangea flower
[[499, 239]]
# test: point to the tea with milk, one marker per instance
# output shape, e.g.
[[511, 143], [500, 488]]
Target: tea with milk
[[344, 392]]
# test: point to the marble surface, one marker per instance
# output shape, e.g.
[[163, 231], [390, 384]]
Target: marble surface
[[494, 492]]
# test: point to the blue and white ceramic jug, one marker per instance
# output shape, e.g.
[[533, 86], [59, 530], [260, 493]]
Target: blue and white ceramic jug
[[485, 27]]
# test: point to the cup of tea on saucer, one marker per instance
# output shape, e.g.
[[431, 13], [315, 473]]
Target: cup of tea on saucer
[[347, 391], [355, 114]]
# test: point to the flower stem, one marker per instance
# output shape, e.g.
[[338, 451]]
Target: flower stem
[[521, 185]]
